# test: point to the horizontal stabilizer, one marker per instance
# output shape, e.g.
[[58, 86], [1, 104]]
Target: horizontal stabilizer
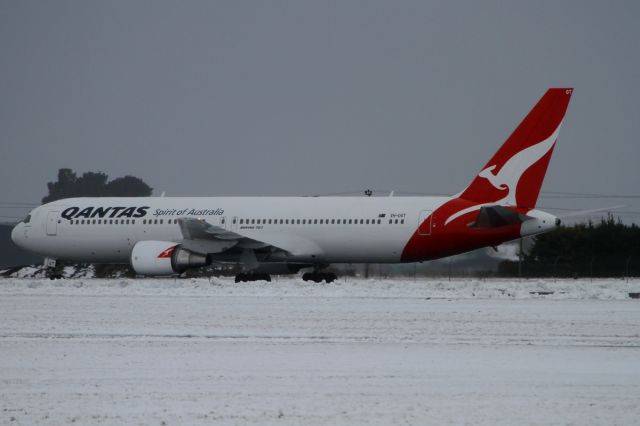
[[495, 216]]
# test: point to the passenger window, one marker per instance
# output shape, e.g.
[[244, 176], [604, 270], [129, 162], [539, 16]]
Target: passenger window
[[390, 221], [110, 221], [298, 221], [396, 221], [144, 221], [116, 221], [304, 221], [27, 219], [133, 221], [378, 221], [333, 221], [402, 221]]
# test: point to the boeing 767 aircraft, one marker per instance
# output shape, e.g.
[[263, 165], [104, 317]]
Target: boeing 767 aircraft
[[276, 235]]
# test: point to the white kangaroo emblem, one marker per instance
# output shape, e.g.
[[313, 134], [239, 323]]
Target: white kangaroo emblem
[[510, 173]]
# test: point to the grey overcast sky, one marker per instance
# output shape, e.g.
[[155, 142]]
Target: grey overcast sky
[[295, 98]]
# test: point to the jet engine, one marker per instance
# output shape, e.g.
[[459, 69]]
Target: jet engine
[[164, 258]]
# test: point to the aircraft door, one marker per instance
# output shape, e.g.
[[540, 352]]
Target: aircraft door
[[52, 223], [424, 223]]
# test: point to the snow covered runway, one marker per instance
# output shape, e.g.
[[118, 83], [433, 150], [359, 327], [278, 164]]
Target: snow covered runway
[[354, 352]]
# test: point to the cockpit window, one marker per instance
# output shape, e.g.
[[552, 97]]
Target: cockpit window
[[27, 219]]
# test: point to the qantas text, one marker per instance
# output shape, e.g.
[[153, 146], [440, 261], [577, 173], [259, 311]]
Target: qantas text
[[75, 212]]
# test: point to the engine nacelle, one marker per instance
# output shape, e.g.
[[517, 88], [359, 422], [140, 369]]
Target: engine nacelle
[[164, 258]]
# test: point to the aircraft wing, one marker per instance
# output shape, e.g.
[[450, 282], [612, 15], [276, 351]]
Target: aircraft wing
[[199, 235]]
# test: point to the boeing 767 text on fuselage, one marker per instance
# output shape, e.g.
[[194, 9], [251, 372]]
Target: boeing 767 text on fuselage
[[168, 235]]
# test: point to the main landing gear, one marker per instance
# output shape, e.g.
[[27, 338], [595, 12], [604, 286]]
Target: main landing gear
[[253, 277], [319, 276]]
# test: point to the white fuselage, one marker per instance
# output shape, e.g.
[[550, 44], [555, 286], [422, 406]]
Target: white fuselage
[[334, 229]]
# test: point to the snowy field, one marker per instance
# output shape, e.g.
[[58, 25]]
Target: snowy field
[[121, 351]]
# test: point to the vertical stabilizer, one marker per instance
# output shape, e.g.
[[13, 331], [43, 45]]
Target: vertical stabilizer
[[515, 173]]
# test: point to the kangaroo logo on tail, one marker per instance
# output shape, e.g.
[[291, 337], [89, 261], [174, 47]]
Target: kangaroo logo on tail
[[509, 175]]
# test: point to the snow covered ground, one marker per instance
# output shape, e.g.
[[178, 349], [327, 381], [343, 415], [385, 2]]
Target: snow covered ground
[[353, 352]]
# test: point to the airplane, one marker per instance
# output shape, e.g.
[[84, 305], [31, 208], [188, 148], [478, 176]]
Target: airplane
[[165, 236]]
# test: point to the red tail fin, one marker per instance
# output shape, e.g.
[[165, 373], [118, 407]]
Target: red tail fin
[[515, 173]]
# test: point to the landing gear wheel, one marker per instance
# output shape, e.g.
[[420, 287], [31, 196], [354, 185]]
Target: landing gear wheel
[[318, 277]]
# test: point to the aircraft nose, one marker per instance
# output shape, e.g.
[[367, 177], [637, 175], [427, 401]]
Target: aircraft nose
[[15, 234]]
